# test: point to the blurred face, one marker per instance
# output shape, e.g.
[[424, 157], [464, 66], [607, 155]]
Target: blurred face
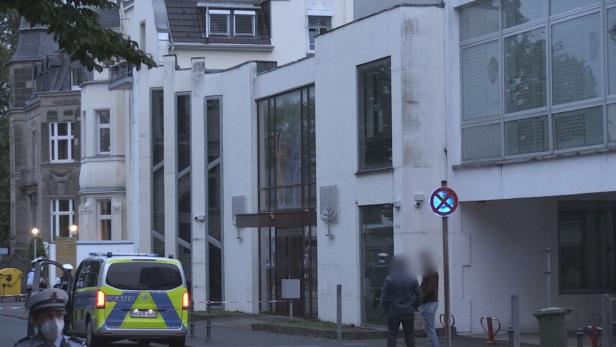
[[50, 323]]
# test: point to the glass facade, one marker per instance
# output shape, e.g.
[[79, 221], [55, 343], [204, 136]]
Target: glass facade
[[377, 249], [537, 77], [375, 130], [287, 174], [158, 168]]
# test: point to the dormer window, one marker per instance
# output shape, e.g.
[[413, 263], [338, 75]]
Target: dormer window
[[231, 22], [244, 23], [219, 22]]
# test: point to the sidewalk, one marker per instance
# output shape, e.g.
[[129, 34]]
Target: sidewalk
[[236, 331]]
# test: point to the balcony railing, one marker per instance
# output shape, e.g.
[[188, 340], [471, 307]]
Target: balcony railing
[[121, 76]]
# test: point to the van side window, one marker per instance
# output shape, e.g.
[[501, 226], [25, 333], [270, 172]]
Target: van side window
[[81, 276], [91, 279]]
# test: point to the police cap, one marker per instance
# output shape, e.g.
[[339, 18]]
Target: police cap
[[48, 298]]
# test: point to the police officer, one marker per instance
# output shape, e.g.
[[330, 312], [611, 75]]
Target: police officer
[[47, 315]]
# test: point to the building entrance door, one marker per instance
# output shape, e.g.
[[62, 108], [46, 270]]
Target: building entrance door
[[289, 249]]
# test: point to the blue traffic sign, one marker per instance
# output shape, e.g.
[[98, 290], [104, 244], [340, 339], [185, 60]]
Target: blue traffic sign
[[444, 201]]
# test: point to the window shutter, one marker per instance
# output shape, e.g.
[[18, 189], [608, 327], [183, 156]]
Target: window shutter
[[45, 142], [219, 24], [75, 130]]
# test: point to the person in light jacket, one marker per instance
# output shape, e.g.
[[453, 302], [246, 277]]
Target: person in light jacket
[[400, 298]]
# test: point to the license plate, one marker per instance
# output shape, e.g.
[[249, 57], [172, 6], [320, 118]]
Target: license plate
[[144, 314]]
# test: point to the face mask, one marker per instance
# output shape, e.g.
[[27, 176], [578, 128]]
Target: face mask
[[51, 329]]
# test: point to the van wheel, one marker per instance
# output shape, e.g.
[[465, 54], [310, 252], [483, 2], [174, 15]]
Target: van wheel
[[178, 342], [91, 339]]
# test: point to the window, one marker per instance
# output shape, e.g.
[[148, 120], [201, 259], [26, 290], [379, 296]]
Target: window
[[142, 36], [158, 166], [104, 219], [578, 128], [377, 249], [525, 86], [516, 12], [62, 215], [244, 23], [480, 81], [93, 270], [576, 59], [531, 83], [214, 189], [77, 78], [559, 6], [611, 122], [144, 276], [480, 19], [586, 247], [219, 22], [611, 44], [317, 25], [103, 132], [183, 182], [60, 142], [375, 136], [285, 161]]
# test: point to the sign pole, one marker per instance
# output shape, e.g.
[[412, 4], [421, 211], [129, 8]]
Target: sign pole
[[445, 224]]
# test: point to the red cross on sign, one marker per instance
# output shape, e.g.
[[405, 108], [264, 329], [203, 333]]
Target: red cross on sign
[[444, 201]]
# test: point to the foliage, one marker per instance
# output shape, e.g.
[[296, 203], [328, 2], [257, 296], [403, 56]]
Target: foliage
[[9, 21], [74, 25], [40, 248]]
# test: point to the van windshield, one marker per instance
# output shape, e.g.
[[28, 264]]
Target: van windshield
[[144, 276]]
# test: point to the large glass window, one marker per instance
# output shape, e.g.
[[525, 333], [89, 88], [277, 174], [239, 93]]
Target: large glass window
[[525, 85], [578, 128], [524, 93], [62, 217], [586, 254], [559, 6], [576, 59], [60, 142], [481, 81], [377, 249], [516, 12], [375, 128], [286, 145], [103, 132], [611, 122], [184, 204], [480, 19], [527, 135], [611, 44], [158, 166]]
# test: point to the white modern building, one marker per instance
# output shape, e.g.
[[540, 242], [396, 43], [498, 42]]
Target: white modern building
[[264, 156]]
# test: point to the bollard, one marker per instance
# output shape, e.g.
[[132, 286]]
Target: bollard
[[593, 334], [515, 320], [191, 319], [607, 317], [511, 333], [579, 334], [208, 328], [490, 329], [339, 312]]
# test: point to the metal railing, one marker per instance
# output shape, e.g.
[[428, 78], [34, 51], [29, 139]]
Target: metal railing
[[121, 76]]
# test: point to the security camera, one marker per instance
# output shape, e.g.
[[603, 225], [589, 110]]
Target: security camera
[[418, 203], [199, 218], [419, 199]]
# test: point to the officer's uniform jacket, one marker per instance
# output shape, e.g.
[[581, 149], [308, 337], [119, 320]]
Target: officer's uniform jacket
[[38, 341]]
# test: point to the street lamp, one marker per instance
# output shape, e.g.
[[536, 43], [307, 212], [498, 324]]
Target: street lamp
[[35, 233], [73, 230]]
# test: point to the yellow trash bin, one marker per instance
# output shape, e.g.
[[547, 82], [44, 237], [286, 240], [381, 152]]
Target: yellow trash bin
[[10, 282]]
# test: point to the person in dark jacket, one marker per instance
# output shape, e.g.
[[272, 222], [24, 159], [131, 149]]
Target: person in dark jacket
[[400, 298], [429, 292]]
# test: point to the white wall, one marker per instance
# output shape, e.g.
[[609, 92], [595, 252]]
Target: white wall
[[413, 39], [508, 240]]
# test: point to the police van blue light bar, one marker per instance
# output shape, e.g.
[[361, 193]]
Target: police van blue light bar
[[111, 254]]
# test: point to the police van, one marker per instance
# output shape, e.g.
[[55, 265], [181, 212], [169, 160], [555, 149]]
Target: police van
[[140, 298]]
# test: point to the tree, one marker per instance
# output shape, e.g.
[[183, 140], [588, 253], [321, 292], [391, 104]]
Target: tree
[[9, 21], [74, 25], [40, 248]]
